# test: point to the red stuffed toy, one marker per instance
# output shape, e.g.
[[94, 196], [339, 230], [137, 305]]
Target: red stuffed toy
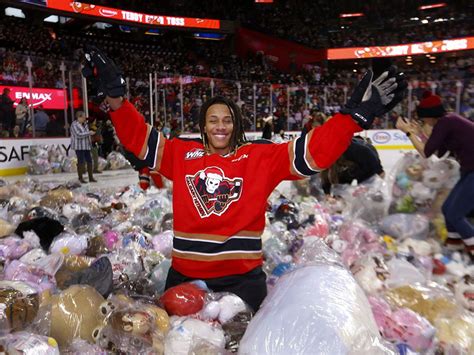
[[183, 300]]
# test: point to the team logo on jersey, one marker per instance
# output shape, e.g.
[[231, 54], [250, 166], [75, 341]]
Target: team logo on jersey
[[212, 191], [195, 153]]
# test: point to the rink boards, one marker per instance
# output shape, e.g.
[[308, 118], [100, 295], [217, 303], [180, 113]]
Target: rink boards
[[14, 153]]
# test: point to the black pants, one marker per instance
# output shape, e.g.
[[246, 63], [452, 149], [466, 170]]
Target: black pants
[[251, 287]]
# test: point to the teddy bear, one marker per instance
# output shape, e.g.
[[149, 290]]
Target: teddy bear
[[55, 199], [75, 314], [19, 305], [141, 322]]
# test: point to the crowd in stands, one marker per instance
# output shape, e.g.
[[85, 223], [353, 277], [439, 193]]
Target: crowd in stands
[[315, 90], [318, 24]]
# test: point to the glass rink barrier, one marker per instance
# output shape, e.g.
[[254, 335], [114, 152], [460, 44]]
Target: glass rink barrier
[[169, 100]]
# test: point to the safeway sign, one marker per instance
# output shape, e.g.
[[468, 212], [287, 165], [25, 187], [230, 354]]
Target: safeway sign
[[51, 99]]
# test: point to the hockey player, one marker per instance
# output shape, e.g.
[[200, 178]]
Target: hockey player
[[221, 182]]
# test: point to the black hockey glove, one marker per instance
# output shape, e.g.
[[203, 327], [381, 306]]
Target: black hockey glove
[[374, 98], [106, 78], [136, 163]]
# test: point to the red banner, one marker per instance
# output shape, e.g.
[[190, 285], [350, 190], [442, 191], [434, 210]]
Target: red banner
[[282, 53], [131, 16], [51, 99], [447, 45]]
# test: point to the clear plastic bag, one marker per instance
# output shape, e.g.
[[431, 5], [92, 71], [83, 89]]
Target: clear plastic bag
[[317, 309], [187, 334], [26, 343], [75, 314], [20, 305]]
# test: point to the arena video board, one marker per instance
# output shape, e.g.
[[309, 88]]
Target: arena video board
[[433, 47], [50, 99], [109, 13]]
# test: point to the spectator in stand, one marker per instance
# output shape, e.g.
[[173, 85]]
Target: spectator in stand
[[41, 121], [21, 113], [7, 112], [54, 128]]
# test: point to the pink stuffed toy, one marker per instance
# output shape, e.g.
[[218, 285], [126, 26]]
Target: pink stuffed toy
[[111, 238], [402, 325], [356, 239]]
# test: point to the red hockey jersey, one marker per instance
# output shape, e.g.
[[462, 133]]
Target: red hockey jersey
[[219, 202]]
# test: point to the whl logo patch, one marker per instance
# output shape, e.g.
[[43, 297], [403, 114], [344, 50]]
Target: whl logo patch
[[195, 153], [212, 192]]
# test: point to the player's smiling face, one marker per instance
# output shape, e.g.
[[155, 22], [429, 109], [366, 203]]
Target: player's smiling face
[[218, 128]]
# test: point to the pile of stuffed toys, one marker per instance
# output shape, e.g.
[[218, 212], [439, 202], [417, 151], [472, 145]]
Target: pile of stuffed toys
[[51, 159], [360, 271]]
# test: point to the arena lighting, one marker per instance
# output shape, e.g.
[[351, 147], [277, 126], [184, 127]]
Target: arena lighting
[[14, 12], [209, 36], [109, 13], [432, 47], [432, 6], [355, 14], [153, 32], [52, 19]]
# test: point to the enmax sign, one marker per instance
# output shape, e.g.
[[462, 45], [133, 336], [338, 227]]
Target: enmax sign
[[50, 99]]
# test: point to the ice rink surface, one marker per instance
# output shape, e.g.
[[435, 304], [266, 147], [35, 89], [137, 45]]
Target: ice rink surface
[[108, 178]]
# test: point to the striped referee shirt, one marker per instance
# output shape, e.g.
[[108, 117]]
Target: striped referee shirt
[[80, 136]]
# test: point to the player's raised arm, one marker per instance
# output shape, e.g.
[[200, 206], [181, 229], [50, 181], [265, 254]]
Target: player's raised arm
[[140, 139], [322, 146]]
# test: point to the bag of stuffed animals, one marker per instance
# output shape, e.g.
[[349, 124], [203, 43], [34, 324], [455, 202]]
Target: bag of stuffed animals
[[39, 161], [116, 161], [317, 308]]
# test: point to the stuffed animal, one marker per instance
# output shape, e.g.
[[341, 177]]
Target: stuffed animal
[[428, 305], [184, 299], [26, 343], [187, 333], [422, 195], [142, 322], [70, 210], [414, 171], [111, 238], [404, 225], [20, 304], [57, 198], [402, 325], [455, 334], [75, 314], [69, 244], [163, 243], [464, 292], [371, 273], [223, 309], [5, 228]]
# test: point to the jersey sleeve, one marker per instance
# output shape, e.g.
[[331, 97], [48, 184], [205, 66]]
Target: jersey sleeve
[[314, 151], [143, 140], [319, 148]]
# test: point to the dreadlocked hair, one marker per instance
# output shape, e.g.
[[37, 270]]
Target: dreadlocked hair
[[238, 135]]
